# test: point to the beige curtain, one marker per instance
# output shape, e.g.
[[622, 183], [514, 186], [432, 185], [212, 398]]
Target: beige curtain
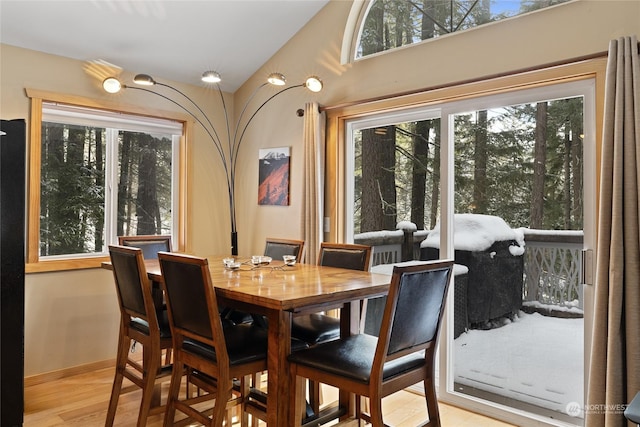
[[614, 376], [313, 181]]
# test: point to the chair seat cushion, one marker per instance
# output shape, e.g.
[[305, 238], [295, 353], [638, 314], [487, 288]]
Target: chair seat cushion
[[315, 328], [237, 316], [352, 357], [163, 322], [245, 343]]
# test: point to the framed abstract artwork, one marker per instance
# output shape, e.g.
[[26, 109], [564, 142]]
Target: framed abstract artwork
[[273, 176]]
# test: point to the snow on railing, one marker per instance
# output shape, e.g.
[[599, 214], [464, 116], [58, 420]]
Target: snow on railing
[[552, 260]]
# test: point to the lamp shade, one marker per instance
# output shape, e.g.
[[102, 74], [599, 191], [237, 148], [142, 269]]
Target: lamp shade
[[211, 77], [314, 84], [111, 85], [144, 80], [277, 79]]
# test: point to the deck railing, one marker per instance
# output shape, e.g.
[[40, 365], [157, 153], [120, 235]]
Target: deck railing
[[552, 261]]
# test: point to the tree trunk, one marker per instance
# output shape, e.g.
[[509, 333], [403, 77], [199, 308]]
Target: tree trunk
[[147, 209], [378, 179], [539, 167], [375, 42], [480, 164], [435, 179], [567, 177], [428, 25], [99, 213], [123, 184], [419, 174], [576, 176], [72, 188], [52, 160]]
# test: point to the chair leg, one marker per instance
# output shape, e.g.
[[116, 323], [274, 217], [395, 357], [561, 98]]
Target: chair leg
[[375, 403], [174, 389], [314, 396], [362, 405], [255, 421], [298, 401], [432, 402], [245, 385], [228, 421], [220, 408], [151, 365], [121, 362], [256, 383]]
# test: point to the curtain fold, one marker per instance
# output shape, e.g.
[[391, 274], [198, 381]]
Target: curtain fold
[[313, 181], [614, 376]]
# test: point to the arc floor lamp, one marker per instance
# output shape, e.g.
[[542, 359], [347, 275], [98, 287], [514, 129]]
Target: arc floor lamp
[[228, 148]]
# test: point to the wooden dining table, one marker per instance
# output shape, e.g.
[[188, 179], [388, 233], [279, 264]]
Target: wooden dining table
[[281, 292]]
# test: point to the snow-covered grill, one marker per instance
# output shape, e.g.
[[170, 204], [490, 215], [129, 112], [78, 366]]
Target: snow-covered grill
[[492, 251]]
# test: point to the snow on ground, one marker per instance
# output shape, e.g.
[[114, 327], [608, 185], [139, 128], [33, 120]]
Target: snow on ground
[[534, 359]]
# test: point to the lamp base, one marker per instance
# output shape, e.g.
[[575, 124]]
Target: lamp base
[[234, 243]]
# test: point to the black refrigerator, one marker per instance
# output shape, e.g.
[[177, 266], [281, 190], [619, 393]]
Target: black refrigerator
[[12, 260]]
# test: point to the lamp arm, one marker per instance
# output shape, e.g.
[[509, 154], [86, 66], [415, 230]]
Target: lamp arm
[[237, 142], [218, 140], [244, 109], [226, 116], [233, 148], [230, 174], [228, 169], [216, 143]]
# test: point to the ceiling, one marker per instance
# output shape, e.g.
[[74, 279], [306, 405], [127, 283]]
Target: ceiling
[[175, 40]]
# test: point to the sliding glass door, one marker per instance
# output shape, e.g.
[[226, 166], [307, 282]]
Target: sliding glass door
[[504, 185], [520, 224]]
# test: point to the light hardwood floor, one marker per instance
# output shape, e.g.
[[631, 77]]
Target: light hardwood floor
[[81, 401]]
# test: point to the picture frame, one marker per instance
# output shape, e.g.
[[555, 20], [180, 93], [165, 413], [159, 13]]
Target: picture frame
[[273, 176]]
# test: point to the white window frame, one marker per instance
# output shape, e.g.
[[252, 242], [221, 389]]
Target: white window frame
[[113, 123], [113, 111]]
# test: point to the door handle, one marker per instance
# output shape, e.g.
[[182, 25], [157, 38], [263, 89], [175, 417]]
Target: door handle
[[586, 271]]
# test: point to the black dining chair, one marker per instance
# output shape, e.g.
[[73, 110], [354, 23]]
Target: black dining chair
[[402, 355], [139, 322], [210, 355], [150, 244], [320, 327], [277, 248]]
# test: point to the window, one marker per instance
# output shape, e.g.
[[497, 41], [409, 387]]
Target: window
[[389, 24], [100, 174], [395, 164]]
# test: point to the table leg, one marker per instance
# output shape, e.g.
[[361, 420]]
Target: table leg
[[349, 325], [279, 347]]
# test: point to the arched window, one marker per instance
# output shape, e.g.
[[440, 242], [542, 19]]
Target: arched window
[[389, 24]]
